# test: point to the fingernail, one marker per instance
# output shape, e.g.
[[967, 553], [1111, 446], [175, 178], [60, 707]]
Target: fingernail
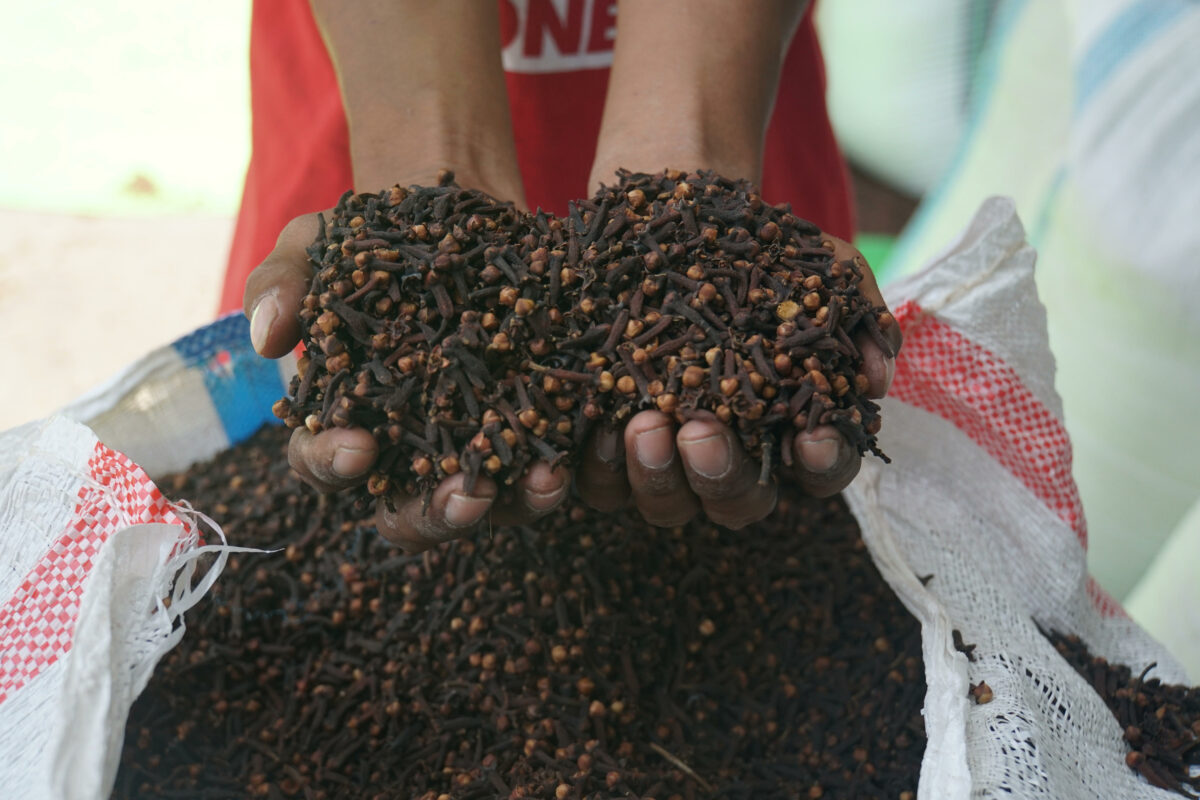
[[821, 455], [349, 462], [710, 456], [261, 319], [463, 509], [539, 501], [655, 450], [890, 364]]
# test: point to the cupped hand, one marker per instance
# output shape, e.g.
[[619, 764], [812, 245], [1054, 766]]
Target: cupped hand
[[340, 458], [671, 473]]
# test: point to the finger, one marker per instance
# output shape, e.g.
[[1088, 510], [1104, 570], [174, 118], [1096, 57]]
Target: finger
[[878, 368], [824, 463], [659, 486], [722, 476], [601, 477], [539, 491], [276, 287], [333, 459], [869, 287], [842, 251], [452, 513]]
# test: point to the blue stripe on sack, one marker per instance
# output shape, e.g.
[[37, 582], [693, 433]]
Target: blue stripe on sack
[[1131, 29], [242, 384]]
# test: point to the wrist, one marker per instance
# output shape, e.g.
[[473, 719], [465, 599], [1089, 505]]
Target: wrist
[[688, 143], [413, 146], [703, 104], [409, 115]]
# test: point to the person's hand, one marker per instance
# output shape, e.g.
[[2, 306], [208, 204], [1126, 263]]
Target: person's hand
[[671, 472], [713, 102], [408, 117], [674, 472], [340, 458]]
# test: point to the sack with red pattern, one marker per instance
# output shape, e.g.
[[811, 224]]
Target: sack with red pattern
[[980, 503], [96, 569]]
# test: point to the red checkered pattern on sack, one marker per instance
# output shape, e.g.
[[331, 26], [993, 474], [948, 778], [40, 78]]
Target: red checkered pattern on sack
[[1102, 601], [37, 622], [947, 374]]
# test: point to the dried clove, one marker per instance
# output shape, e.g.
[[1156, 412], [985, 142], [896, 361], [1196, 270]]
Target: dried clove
[[465, 304], [1161, 722]]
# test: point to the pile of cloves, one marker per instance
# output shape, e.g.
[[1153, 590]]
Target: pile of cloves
[[471, 337], [1161, 722], [595, 657]]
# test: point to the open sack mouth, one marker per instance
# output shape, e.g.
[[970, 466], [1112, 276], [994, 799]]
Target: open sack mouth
[[596, 656]]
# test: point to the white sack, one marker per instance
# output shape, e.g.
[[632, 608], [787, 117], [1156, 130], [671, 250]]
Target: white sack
[[90, 549], [980, 496]]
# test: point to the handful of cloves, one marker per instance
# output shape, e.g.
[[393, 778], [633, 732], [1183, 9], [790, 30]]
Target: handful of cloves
[[469, 336]]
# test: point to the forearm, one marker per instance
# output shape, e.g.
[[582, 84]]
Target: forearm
[[423, 89], [692, 85]]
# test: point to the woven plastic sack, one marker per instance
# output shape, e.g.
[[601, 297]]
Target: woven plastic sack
[[187, 401], [91, 549], [979, 496], [98, 566], [1087, 113], [980, 502]]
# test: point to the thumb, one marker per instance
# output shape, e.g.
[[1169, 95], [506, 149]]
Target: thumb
[[276, 287]]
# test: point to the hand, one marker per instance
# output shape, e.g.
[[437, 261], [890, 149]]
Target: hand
[[408, 117], [340, 458], [674, 472], [712, 105]]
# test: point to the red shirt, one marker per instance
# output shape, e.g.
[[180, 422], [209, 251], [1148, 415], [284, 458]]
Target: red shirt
[[557, 71]]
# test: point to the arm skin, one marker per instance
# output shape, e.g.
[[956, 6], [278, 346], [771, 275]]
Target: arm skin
[[423, 89], [692, 87]]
